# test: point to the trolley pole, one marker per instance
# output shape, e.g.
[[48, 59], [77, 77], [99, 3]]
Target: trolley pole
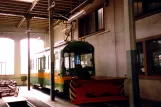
[[28, 36], [51, 39], [130, 41]]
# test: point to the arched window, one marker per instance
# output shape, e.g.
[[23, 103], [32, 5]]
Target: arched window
[[36, 45], [6, 56]]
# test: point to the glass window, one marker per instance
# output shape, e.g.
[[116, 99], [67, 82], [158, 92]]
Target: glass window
[[146, 7], [72, 64], [77, 59], [36, 63], [57, 60], [48, 61], [6, 56], [86, 60], [155, 59], [91, 23], [42, 63], [66, 60], [32, 64], [3, 68], [35, 46], [100, 19], [140, 58], [154, 56]]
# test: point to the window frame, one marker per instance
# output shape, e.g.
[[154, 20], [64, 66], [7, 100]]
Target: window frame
[[147, 75], [96, 25], [146, 9], [42, 63]]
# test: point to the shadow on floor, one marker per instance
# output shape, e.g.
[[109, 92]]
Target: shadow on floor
[[149, 103], [144, 103]]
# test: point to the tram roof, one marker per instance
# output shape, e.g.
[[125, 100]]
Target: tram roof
[[78, 47]]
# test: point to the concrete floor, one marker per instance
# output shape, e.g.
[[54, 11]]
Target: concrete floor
[[39, 96], [44, 98]]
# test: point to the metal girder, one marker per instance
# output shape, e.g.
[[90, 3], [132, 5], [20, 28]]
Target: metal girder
[[29, 10], [9, 13]]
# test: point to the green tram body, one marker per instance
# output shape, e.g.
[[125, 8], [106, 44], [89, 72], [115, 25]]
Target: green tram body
[[74, 59]]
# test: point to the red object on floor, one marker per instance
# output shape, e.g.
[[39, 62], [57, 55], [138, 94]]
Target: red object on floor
[[87, 91]]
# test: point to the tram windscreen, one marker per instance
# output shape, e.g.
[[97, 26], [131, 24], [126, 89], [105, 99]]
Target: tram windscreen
[[85, 60]]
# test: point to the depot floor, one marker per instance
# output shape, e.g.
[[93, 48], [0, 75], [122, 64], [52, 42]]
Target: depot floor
[[41, 99], [44, 98]]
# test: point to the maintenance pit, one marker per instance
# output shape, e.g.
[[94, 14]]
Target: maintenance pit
[[17, 102], [33, 98]]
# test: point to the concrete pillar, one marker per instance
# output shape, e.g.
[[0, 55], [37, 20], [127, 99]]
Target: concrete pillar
[[130, 42], [17, 58]]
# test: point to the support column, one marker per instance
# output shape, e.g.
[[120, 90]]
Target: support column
[[28, 38], [17, 58], [130, 41], [51, 39]]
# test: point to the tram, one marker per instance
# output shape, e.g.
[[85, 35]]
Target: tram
[[73, 59]]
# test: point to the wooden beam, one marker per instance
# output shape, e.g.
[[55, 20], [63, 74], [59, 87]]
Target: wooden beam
[[11, 13], [28, 12]]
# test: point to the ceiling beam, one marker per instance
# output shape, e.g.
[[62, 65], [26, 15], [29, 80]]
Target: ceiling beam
[[9, 13], [29, 10]]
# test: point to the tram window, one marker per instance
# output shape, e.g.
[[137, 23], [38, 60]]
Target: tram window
[[48, 61], [36, 63], [86, 60], [77, 59], [32, 64], [57, 60], [66, 60], [66, 64], [42, 63], [72, 60]]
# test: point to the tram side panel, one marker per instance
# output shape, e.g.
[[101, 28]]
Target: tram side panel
[[40, 73]]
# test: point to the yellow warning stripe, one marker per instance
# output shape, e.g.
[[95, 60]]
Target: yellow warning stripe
[[72, 90]]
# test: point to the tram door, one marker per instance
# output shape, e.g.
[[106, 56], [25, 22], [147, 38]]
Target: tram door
[[41, 70]]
